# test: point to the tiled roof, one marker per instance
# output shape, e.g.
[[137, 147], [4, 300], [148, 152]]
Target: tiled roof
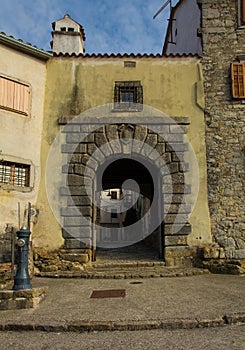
[[34, 50], [119, 55], [26, 47]]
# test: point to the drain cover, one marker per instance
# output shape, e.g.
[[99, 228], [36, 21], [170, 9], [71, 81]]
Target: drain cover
[[110, 293]]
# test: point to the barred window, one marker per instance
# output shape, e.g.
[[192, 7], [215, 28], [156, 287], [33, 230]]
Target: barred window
[[238, 79], [128, 96], [14, 96], [15, 174]]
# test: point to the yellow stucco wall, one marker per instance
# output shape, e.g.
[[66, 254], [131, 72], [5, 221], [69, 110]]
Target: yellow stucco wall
[[172, 85], [20, 135]]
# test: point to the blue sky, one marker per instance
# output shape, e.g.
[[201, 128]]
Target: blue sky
[[118, 26]]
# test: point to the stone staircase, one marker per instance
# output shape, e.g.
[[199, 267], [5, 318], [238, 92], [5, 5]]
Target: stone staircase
[[127, 270], [134, 262], [138, 270]]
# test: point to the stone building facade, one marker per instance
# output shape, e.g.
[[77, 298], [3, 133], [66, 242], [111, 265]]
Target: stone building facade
[[223, 38], [22, 85], [102, 113], [81, 96], [221, 31]]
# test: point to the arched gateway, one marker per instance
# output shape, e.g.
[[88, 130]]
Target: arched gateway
[[147, 157]]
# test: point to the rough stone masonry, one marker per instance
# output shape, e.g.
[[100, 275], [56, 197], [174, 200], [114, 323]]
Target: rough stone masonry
[[223, 42]]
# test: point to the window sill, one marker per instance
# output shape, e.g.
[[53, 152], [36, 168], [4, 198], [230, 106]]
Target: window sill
[[10, 188], [14, 111], [127, 107], [117, 110]]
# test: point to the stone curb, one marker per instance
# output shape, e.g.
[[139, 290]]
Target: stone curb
[[131, 325]]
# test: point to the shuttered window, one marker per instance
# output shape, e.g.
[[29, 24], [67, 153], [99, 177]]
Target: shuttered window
[[238, 79], [15, 174], [242, 12], [14, 96]]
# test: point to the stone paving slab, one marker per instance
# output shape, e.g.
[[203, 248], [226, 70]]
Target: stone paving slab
[[169, 303]]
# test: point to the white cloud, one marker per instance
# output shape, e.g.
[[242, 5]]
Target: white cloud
[[110, 25]]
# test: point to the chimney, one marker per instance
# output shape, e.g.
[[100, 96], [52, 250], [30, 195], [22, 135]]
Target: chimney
[[68, 36]]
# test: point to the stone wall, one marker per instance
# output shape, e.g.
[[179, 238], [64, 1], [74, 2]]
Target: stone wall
[[223, 41], [6, 242]]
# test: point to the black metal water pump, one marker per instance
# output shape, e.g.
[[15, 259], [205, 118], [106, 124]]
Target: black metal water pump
[[22, 277]]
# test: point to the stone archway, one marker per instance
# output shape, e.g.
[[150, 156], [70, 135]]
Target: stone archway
[[109, 139]]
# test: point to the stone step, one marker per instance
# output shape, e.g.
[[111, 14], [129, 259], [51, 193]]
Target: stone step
[[123, 273], [133, 264]]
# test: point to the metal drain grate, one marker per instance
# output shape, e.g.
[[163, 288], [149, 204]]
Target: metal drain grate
[[110, 293]]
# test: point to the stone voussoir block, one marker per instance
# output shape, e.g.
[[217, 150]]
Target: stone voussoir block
[[77, 244], [140, 132], [177, 147], [177, 209], [151, 140], [176, 218], [75, 191], [72, 148], [81, 258], [79, 201], [76, 221], [78, 232], [168, 188], [73, 211], [75, 180], [160, 148], [73, 128], [177, 157], [174, 138], [112, 132], [178, 129], [176, 178], [176, 240], [177, 229]]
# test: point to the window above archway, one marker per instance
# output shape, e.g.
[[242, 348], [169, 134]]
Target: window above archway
[[128, 96]]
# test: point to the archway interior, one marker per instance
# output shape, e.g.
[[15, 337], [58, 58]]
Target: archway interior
[[120, 207]]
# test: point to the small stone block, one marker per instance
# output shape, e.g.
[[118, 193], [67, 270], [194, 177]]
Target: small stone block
[[6, 294]]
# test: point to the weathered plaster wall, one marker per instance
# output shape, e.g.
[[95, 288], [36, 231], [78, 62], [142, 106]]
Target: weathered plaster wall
[[171, 85], [20, 136], [223, 41]]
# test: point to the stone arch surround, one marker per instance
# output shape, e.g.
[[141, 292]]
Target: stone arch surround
[[89, 143]]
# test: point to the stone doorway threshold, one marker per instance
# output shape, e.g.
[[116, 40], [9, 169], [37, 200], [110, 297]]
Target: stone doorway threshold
[[136, 254]]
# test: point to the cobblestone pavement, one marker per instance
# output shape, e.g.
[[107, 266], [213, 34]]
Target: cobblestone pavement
[[225, 338]]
